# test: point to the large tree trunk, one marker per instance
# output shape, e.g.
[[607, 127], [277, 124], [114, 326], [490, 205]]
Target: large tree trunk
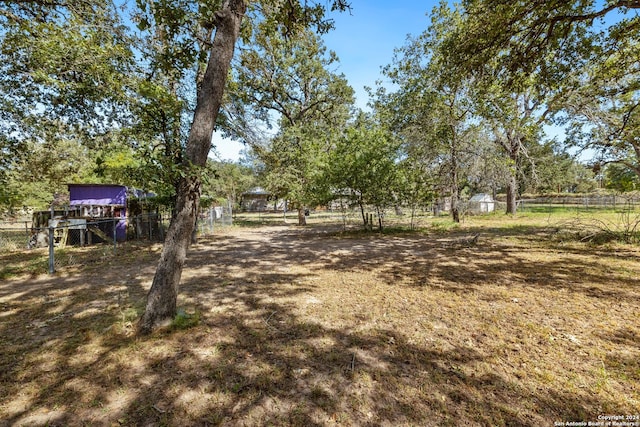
[[162, 298], [302, 218], [455, 206]]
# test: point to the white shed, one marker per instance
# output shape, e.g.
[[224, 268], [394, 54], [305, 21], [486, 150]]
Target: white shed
[[481, 203]]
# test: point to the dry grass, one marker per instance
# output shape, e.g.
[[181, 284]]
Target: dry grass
[[291, 326]]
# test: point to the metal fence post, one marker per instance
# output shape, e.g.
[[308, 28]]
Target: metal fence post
[[51, 252]]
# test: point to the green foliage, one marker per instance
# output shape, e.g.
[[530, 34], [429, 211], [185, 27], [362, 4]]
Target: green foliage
[[417, 183], [621, 178], [295, 167], [524, 36], [291, 78], [65, 71], [364, 165], [431, 111], [602, 113], [289, 18], [226, 181], [72, 71], [44, 170], [579, 56], [286, 82], [555, 172]]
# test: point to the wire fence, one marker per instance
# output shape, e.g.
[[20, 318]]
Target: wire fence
[[405, 217], [209, 220], [104, 233], [603, 201]]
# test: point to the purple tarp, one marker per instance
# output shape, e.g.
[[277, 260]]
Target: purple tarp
[[97, 195]]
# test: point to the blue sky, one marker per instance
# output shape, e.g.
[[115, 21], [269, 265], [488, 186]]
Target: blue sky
[[364, 41], [366, 38]]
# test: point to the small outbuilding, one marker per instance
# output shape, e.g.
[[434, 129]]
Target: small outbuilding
[[98, 201], [95, 213], [481, 203], [255, 200]]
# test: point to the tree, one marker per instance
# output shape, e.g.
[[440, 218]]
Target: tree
[[286, 82], [516, 95], [227, 19], [516, 125], [228, 180], [433, 102], [417, 176], [488, 170], [555, 41], [162, 298], [44, 170], [363, 167], [604, 110], [295, 167], [69, 60], [524, 33], [64, 70], [556, 171], [620, 178], [71, 73], [73, 70]]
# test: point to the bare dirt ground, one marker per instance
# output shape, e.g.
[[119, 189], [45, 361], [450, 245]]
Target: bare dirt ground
[[292, 326]]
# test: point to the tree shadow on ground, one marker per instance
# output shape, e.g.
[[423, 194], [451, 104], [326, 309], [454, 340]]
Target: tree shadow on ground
[[430, 258], [263, 354]]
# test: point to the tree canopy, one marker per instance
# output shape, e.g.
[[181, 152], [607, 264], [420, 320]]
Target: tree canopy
[[585, 51], [287, 83]]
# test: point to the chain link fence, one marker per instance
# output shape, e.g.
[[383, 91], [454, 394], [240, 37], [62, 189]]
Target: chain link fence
[[14, 236], [210, 219]]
